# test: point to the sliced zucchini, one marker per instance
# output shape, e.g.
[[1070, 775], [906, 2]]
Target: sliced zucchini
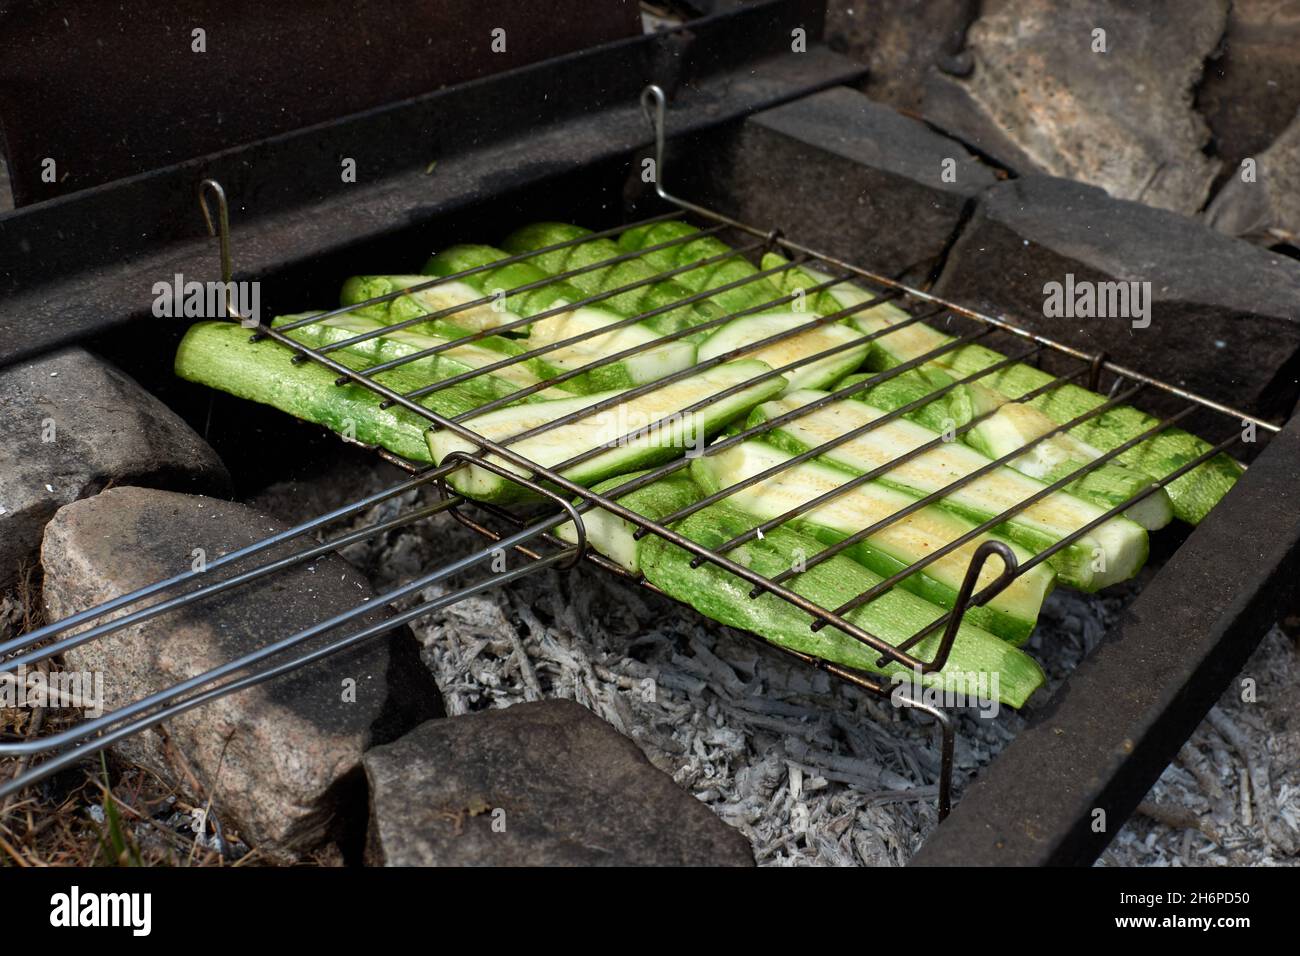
[[1014, 425], [220, 355], [611, 535], [651, 363], [1010, 615], [610, 426], [977, 658], [782, 351], [433, 368], [645, 298], [541, 292], [753, 294], [1113, 551], [423, 302], [1193, 494]]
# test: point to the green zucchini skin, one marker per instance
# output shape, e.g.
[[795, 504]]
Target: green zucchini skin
[[893, 548], [431, 368], [893, 617], [1107, 486], [219, 355], [652, 362], [611, 535], [609, 425], [751, 329], [755, 294], [632, 302], [1192, 495], [422, 303], [1040, 525], [463, 256]]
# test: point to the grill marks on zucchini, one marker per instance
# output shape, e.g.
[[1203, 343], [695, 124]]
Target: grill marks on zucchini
[[893, 616], [650, 362], [1114, 551], [890, 549], [1193, 494], [785, 348], [624, 426]]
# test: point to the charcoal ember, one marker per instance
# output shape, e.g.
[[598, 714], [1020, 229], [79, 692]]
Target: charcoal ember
[[281, 759], [1122, 119], [544, 784], [70, 425], [1223, 313], [898, 188], [1251, 88], [1263, 204]]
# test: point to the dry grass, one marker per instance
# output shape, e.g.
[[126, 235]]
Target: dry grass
[[99, 813]]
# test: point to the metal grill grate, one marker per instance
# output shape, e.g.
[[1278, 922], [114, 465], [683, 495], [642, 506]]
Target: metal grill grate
[[534, 539]]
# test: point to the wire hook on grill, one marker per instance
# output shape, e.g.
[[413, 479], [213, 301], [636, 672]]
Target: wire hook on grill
[[221, 227]]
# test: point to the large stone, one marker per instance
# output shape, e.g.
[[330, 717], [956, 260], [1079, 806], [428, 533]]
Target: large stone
[[1252, 90], [887, 189], [900, 40], [1122, 119], [1225, 315], [71, 424], [536, 784], [1264, 205], [282, 759]]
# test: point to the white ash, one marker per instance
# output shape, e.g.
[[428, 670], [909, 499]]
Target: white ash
[[1233, 795], [812, 770]]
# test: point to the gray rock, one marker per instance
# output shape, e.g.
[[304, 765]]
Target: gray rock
[[1122, 119], [900, 40], [1264, 207], [536, 784], [1224, 314], [890, 203], [282, 759], [71, 424], [1252, 90]]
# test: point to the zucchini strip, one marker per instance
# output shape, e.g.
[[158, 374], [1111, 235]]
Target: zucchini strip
[[1192, 494], [638, 301], [770, 332], [1013, 426], [759, 293], [220, 355], [894, 616], [400, 344], [1111, 552], [652, 361], [892, 547], [614, 537], [647, 429]]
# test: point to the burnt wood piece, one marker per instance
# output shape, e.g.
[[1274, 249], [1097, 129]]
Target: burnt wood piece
[[265, 68], [1109, 731]]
